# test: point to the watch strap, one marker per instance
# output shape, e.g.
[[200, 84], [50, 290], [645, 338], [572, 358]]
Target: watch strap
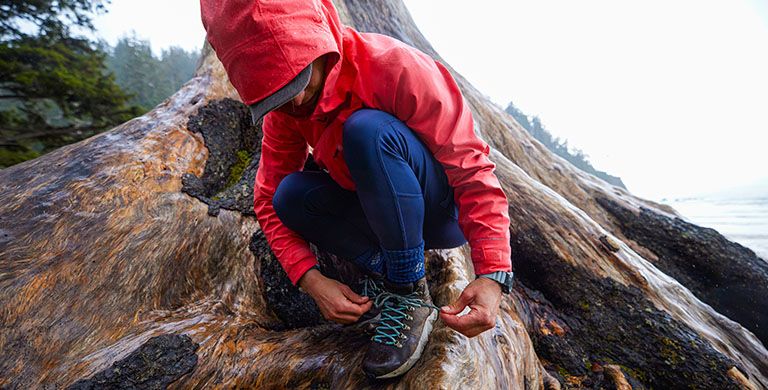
[[504, 279]]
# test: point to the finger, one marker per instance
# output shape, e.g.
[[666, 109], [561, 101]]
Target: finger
[[352, 296], [362, 309], [458, 323], [472, 324], [465, 329], [351, 308], [481, 327], [484, 324], [457, 307], [473, 331]]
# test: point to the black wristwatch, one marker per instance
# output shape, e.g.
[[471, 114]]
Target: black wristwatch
[[505, 279]]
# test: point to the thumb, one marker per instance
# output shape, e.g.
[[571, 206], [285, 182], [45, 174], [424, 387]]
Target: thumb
[[456, 307], [352, 296]]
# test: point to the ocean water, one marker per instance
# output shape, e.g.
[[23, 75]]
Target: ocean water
[[743, 220]]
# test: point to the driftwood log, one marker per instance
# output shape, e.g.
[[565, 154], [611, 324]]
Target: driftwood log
[[133, 258]]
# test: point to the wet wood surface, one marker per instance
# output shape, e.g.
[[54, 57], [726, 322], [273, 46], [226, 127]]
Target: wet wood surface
[[139, 242]]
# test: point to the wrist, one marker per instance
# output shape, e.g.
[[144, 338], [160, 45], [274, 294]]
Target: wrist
[[489, 284], [502, 279], [309, 279]]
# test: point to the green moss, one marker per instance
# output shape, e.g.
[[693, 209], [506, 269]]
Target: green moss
[[637, 374], [12, 157], [243, 160], [670, 351]]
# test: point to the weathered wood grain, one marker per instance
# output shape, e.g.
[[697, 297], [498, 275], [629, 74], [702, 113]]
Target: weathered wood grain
[[146, 230]]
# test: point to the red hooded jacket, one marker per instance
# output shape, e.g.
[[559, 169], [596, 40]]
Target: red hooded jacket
[[265, 44]]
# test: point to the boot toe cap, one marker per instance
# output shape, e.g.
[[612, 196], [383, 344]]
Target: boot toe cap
[[378, 362]]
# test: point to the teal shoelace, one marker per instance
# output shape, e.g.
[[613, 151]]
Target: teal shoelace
[[394, 311], [371, 287]]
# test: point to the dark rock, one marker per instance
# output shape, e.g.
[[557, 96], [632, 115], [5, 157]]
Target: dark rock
[[157, 363], [722, 273], [605, 322], [294, 308], [234, 149]]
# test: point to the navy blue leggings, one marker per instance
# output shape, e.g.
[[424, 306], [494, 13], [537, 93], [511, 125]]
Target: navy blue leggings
[[403, 202]]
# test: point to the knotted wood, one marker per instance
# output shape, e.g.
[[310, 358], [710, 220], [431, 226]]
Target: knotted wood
[[133, 257]]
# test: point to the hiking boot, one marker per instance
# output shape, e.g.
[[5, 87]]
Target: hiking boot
[[406, 315], [370, 286], [360, 280]]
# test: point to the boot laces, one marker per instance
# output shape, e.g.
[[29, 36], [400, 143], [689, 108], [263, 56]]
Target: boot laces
[[394, 312], [372, 287]]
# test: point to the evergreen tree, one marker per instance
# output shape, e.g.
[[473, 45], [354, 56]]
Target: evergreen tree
[[54, 86], [136, 71], [559, 147], [147, 78], [178, 66]]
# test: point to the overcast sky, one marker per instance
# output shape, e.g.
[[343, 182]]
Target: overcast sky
[[672, 96]]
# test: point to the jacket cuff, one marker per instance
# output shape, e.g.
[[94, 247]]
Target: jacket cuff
[[299, 268], [488, 256]]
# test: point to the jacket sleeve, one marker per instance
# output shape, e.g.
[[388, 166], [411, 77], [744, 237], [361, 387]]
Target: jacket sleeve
[[428, 100], [283, 151]]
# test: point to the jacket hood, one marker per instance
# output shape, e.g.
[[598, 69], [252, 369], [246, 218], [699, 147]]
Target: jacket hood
[[265, 44]]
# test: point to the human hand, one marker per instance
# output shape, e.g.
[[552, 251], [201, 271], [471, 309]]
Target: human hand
[[337, 302], [483, 296]]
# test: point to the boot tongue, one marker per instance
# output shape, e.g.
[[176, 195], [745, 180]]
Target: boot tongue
[[399, 288]]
